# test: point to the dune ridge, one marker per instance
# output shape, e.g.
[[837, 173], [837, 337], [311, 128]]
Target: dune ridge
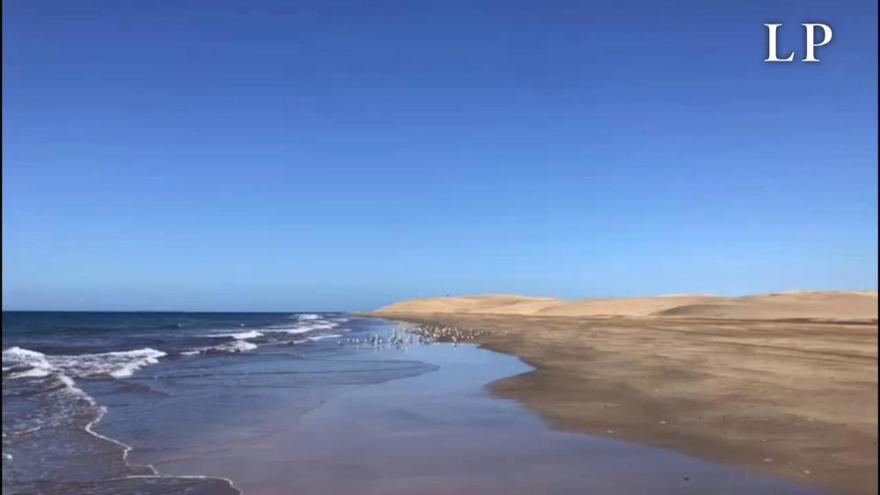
[[807, 305]]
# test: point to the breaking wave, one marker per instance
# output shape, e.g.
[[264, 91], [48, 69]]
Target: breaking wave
[[253, 334], [308, 317], [233, 347], [21, 363], [312, 326]]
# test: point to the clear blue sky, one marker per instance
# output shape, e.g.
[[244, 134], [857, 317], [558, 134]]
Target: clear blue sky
[[251, 155]]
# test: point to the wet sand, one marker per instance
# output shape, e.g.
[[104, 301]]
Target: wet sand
[[794, 399]]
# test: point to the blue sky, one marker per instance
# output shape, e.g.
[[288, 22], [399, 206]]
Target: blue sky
[[287, 156]]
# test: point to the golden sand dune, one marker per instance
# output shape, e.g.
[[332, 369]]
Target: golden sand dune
[[837, 306], [783, 384]]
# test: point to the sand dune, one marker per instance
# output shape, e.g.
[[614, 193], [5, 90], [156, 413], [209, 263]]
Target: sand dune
[[836, 306]]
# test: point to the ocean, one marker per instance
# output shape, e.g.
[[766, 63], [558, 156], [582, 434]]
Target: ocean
[[81, 390], [273, 404]]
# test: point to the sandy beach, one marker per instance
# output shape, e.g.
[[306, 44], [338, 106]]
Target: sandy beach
[[782, 384], [350, 406]]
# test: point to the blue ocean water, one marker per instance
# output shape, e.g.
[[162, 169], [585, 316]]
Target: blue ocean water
[[81, 390]]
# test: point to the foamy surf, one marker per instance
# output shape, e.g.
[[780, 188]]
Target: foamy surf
[[234, 347], [65, 405], [69, 383], [35, 363], [303, 327], [120, 364], [252, 334], [60, 378], [308, 317]]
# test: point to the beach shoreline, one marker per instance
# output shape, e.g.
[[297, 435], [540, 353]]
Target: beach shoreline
[[792, 398]]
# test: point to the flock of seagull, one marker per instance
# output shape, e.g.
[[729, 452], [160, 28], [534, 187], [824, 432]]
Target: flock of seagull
[[407, 335]]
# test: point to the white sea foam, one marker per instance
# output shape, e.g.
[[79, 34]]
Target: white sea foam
[[16, 357], [236, 346], [306, 323], [253, 334], [233, 347], [303, 327], [119, 364], [325, 336], [71, 388], [126, 449], [115, 364]]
